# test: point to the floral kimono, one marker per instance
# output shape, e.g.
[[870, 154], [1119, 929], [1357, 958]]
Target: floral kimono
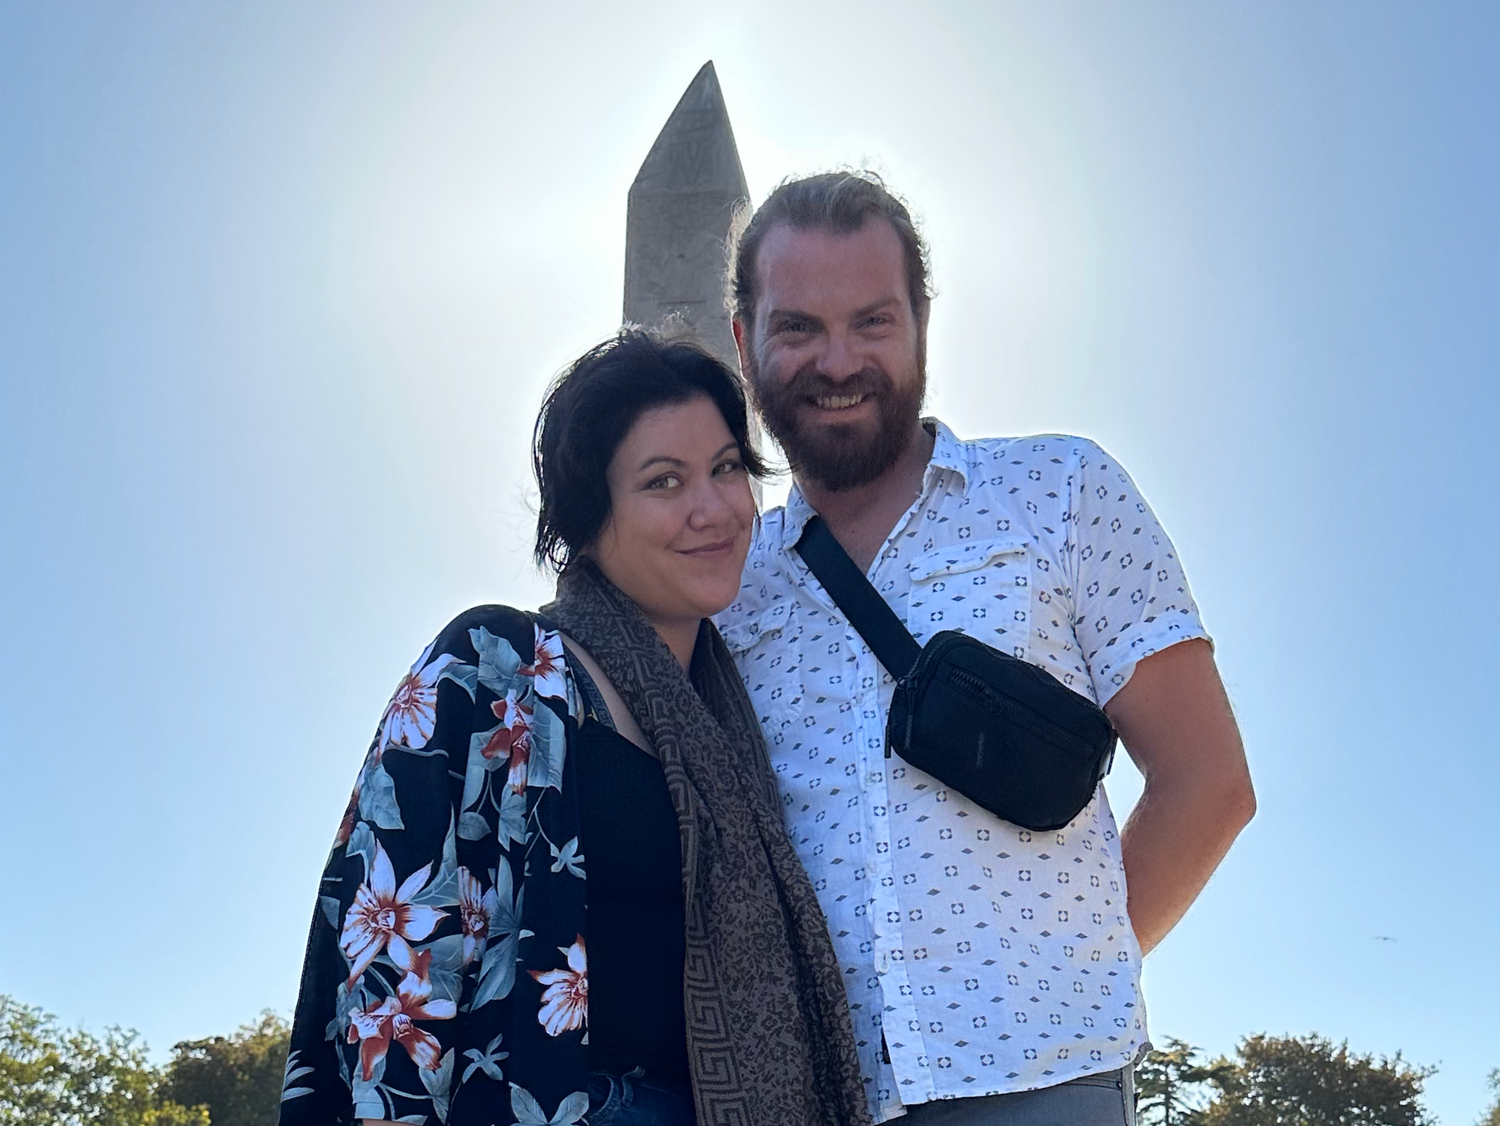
[[446, 978]]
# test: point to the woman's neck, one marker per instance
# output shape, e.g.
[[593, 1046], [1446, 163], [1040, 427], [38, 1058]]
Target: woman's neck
[[680, 637]]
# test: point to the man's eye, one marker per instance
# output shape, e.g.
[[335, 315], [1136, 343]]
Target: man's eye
[[793, 328], [879, 320]]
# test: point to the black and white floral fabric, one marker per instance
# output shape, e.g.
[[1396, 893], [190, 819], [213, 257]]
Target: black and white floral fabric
[[446, 978]]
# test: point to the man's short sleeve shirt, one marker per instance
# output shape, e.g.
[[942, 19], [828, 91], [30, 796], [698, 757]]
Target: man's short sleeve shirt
[[979, 957]]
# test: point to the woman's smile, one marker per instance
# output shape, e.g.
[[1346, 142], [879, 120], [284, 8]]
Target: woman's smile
[[681, 514]]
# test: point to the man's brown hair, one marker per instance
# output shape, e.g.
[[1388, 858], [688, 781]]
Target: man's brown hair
[[839, 202]]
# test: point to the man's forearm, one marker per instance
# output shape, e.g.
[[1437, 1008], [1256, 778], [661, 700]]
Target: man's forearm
[[1173, 841], [1176, 723]]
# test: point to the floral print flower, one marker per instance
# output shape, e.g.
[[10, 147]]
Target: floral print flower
[[405, 937], [412, 712], [565, 1001], [383, 914], [393, 1019], [476, 908], [547, 668], [512, 738]]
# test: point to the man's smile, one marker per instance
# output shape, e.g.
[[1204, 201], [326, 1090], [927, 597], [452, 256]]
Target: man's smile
[[838, 402]]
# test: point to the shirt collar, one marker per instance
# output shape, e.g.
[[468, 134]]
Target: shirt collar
[[947, 457]]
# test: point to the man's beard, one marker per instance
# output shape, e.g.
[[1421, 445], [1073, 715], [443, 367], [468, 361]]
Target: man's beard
[[840, 456]]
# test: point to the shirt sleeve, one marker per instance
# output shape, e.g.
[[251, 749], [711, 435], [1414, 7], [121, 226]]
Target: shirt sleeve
[[415, 986], [1130, 593]]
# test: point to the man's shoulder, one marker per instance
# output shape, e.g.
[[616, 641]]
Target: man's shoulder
[[764, 577], [1027, 452]]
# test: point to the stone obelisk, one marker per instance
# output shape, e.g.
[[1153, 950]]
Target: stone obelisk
[[678, 217]]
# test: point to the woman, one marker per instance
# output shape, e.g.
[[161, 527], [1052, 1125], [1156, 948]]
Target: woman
[[562, 891]]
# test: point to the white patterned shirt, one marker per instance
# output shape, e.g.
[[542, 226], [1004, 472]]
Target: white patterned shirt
[[979, 957]]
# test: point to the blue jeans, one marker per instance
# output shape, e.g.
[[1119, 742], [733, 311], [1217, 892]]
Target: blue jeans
[[1103, 1099], [633, 1099]]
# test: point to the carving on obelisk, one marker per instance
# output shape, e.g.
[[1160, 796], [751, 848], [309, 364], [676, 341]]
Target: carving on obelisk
[[678, 217]]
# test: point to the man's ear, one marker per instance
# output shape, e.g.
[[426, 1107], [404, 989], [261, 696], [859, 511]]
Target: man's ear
[[742, 346]]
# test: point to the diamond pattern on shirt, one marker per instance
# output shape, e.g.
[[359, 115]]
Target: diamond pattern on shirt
[[980, 957]]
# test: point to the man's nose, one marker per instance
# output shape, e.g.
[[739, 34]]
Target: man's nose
[[838, 359]]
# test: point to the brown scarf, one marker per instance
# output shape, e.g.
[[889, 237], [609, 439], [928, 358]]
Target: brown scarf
[[768, 1033]]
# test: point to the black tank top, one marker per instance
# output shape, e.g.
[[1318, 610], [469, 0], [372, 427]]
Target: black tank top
[[633, 865]]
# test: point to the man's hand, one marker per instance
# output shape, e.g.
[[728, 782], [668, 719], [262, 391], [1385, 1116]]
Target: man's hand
[[1175, 721]]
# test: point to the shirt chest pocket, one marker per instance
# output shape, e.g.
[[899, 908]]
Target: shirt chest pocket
[[983, 589], [765, 651]]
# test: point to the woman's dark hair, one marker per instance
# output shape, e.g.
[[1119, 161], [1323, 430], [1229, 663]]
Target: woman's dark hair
[[590, 408]]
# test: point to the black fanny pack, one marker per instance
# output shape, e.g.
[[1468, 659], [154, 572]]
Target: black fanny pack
[[1002, 732]]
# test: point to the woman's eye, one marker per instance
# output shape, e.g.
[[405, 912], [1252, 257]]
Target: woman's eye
[[665, 481], [733, 465]]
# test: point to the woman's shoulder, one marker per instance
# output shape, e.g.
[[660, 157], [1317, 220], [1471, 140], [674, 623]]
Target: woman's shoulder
[[471, 631]]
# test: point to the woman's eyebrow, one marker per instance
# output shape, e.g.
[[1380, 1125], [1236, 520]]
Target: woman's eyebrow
[[661, 459], [677, 462]]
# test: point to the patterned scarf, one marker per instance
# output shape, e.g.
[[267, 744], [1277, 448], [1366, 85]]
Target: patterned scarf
[[768, 1033]]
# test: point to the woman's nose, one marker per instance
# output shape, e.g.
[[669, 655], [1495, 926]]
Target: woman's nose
[[710, 505]]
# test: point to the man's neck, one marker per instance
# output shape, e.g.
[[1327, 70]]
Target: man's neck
[[862, 518]]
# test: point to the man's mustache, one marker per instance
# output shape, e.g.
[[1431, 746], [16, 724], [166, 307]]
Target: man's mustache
[[811, 384]]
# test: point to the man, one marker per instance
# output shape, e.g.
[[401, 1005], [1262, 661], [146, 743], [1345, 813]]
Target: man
[[984, 963]]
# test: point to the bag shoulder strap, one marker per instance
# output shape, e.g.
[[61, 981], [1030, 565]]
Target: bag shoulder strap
[[869, 613]]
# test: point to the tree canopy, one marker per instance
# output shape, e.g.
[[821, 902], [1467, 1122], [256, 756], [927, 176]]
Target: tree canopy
[[1492, 1116], [50, 1076], [1170, 1084], [237, 1077], [1281, 1081]]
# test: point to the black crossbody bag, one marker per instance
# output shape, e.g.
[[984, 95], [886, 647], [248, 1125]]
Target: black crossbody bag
[[1000, 731]]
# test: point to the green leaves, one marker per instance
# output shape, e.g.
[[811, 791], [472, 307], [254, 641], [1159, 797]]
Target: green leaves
[[50, 1076], [439, 1084], [240, 1078], [377, 798], [1171, 1084], [289, 1088], [529, 1112], [497, 970], [487, 1061], [362, 844], [548, 749], [1492, 1117], [498, 661], [568, 857], [473, 827], [1275, 1080]]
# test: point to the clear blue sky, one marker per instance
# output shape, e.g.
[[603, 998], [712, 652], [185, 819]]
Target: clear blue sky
[[280, 286]]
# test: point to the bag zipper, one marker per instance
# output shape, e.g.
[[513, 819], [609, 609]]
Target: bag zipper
[[976, 685]]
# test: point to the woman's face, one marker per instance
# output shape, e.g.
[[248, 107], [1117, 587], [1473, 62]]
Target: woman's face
[[681, 513]]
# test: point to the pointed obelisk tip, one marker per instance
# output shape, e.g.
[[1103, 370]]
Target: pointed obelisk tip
[[680, 209], [695, 150]]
